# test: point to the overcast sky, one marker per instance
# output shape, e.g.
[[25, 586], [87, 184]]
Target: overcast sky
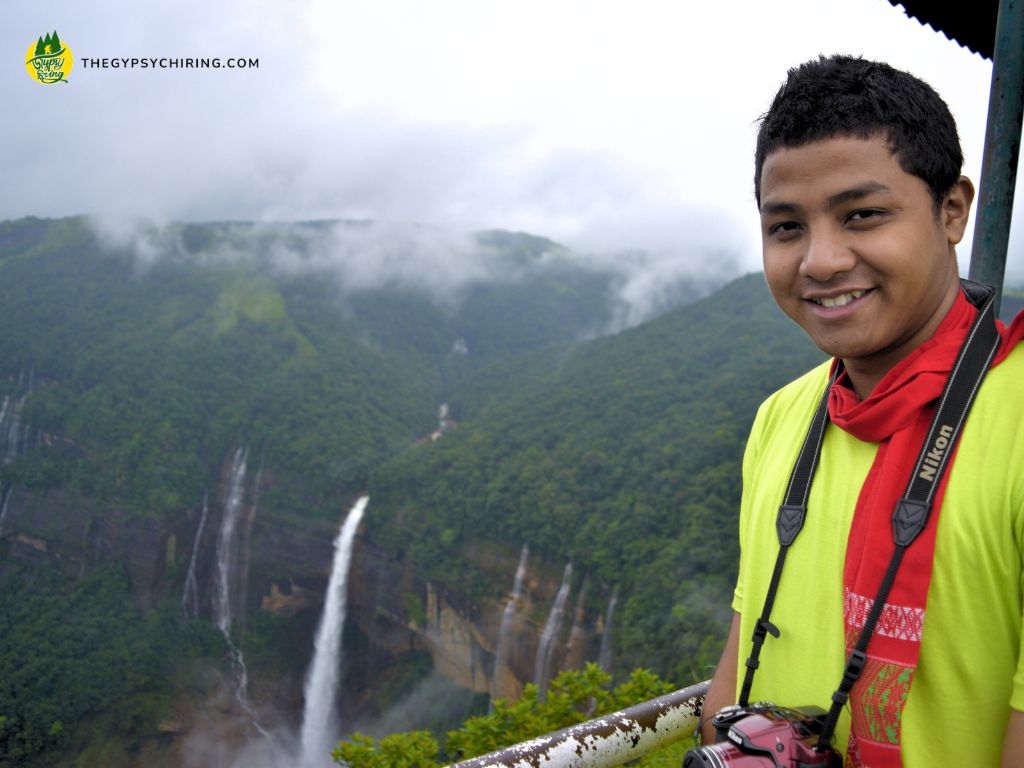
[[603, 125]]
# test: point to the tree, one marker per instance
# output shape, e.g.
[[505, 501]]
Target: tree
[[574, 696]]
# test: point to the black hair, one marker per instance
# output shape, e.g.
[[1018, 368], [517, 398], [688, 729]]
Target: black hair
[[849, 96]]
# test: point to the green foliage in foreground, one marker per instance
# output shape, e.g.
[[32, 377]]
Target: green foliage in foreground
[[574, 696], [79, 663]]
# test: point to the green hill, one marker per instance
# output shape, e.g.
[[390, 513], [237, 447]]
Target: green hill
[[621, 455], [154, 369], [143, 363]]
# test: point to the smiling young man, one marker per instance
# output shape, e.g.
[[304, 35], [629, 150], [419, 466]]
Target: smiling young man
[[862, 204]]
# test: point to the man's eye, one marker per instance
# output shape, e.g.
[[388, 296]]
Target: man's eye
[[783, 227], [863, 215]]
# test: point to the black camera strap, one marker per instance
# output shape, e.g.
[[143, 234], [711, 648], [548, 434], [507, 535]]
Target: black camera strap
[[911, 513], [787, 525]]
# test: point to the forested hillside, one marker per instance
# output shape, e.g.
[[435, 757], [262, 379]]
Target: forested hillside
[[150, 367], [133, 369], [621, 456]]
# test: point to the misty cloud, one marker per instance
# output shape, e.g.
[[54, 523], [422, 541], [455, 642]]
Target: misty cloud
[[437, 263], [389, 255], [620, 142], [432, 701], [270, 145]]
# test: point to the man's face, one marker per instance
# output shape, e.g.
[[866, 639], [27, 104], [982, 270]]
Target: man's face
[[854, 250]]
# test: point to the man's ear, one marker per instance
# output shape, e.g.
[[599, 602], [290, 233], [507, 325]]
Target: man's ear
[[956, 209]]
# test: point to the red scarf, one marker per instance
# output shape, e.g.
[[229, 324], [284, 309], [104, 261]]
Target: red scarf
[[896, 415]]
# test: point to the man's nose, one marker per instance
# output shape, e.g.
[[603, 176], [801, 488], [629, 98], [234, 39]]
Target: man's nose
[[826, 255]]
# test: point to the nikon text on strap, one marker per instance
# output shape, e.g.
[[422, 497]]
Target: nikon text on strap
[[910, 516]]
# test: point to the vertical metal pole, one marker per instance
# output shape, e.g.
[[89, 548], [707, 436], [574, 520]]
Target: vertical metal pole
[[1002, 149]]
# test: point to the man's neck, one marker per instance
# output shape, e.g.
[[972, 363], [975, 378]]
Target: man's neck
[[866, 373], [864, 383]]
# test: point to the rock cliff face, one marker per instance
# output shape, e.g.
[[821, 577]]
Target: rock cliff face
[[77, 535], [398, 611], [283, 569]]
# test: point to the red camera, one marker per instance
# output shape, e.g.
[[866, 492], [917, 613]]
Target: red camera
[[765, 735]]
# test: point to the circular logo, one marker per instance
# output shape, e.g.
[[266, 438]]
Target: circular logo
[[49, 60]]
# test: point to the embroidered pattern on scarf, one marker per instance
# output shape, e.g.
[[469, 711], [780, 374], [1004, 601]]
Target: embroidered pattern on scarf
[[897, 415]]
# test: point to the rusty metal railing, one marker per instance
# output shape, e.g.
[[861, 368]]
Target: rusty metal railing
[[608, 740]]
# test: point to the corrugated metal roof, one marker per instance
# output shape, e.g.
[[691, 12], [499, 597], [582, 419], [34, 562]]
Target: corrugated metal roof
[[971, 25]]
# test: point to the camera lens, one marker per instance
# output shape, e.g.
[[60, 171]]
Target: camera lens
[[702, 757]]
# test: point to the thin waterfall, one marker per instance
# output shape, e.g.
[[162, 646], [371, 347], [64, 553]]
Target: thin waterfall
[[511, 607], [552, 628], [442, 422], [190, 597], [4, 408], [13, 441], [12, 438], [318, 720], [3, 508], [227, 551], [605, 656], [242, 689], [575, 645]]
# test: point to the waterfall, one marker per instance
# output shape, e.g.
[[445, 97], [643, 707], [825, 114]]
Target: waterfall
[[605, 656], [12, 437], [3, 508], [575, 645], [442, 422], [242, 689], [552, 628], [190, 597], [226, 549], [318, 734], [501, 652]]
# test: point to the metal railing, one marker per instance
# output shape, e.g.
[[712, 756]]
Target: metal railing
[[607, 740]]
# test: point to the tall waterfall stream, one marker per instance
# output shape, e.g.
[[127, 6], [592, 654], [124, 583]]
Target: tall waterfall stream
[[318, 719], [548, 638]]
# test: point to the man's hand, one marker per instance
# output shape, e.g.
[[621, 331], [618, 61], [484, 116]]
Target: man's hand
[[1013, 744], [722, 691]]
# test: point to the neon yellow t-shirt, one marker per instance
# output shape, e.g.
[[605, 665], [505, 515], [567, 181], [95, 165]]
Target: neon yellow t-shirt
[[971, 667]]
